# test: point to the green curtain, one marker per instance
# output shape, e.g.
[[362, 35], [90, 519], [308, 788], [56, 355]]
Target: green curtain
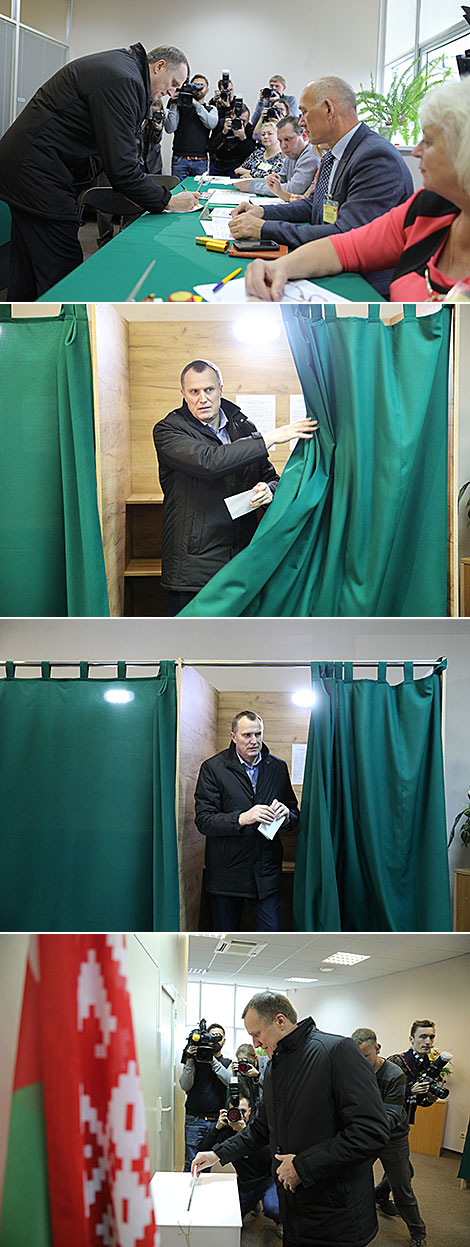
[[372, 851], [51, 550], [358, 524], [87, 787]]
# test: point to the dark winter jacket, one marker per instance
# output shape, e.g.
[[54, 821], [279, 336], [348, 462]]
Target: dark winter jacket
[[197, 471], [85, 118], [252, 1167], [321, 1102], [240, 861]]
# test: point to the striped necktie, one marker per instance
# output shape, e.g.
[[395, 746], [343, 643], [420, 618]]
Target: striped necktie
[[321, 187]]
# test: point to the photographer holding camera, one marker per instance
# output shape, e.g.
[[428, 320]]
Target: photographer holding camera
[[205, 1078], [422, 1088], [270, 95], [231, 142], [253, 1171], [249, 1068], [191, 121]]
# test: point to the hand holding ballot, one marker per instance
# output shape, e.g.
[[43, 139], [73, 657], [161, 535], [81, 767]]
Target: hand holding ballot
[[185, 201], [261, 496], [203, 1160]]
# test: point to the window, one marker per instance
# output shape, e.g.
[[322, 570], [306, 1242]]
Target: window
[[420, 30]]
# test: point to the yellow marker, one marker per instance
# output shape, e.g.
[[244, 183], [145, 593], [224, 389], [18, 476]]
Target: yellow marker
[[229, 276]]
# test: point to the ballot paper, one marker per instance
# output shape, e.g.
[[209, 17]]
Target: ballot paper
[[239, 504], [269, 830], [294, 292], [218, 228], [226, 197]]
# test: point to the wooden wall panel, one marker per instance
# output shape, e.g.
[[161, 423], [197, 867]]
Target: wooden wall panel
[[157, 354], [110, 350], [197, 741]]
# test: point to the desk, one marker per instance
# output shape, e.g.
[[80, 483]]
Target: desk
[[168, 238]]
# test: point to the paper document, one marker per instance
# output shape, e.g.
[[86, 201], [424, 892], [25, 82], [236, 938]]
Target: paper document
[[239, 504], [294, 292], [218, 228], [226, 197], [269, 830]]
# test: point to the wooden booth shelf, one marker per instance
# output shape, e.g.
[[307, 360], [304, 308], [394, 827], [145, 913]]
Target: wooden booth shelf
[[462, 900], [427, 1133], [143, 593], [465, 587]]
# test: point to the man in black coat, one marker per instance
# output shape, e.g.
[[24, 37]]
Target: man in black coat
[[324, 1119], [85, 118], [243, 796], [361, 176], [207, 451]]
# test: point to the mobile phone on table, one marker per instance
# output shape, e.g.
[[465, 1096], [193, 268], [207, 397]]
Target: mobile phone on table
[[250, 244]]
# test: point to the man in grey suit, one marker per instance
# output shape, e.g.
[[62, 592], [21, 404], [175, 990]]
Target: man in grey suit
[[360, 177]]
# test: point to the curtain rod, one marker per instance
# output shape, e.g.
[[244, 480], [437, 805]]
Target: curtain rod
[[215, 662], [75, 662]]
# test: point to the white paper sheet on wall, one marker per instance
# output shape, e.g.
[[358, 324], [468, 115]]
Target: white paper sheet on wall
[[297, 411], [261, 409], [298, 764]]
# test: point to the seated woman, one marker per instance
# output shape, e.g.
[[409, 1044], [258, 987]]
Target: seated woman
[[427, 238], [266, 158]]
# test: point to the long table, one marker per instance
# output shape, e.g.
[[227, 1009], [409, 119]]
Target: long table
[[168, 238]]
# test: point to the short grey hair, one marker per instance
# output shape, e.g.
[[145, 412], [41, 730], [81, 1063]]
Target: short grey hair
[[172, 56], [448, 109], [268, 1004], [337, 88], [200, 365], [364, 1036]]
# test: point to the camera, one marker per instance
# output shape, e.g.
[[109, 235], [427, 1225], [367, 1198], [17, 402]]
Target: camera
[[234, 1113], [244, 1066], [431, 1071], [272, 113], [236, 112], [205, 1043], [269, 93], [188, 93], [223, 85]]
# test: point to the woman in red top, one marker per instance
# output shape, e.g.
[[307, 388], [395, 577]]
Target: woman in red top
[[427, 238]]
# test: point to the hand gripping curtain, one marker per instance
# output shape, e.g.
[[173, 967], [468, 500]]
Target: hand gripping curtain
[[87, 782], [51, 550], [371, 851], [358, 522]]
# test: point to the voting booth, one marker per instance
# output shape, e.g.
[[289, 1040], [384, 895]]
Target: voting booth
[[214, 1217]]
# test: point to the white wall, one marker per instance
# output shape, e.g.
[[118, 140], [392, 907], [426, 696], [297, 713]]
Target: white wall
[[389, 1005]]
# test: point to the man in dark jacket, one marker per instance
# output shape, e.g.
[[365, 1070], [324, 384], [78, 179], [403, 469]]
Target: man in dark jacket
[[85, 118], [395, 1157], [324, 1119], [243, 796], [360, 177], [207, 451], [254, 1180]]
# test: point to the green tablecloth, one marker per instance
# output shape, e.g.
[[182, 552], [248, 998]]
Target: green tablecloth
[[168, 238]]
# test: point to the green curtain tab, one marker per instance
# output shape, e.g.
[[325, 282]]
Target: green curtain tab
[[51, 550], [84, 671], [9, 670], [372, 851], [358, 523], [88, 797], [121, 670]]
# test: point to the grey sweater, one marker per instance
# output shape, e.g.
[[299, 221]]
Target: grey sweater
[[296, 175]]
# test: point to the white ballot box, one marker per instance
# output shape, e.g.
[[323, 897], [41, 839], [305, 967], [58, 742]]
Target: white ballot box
[[214, 1218]]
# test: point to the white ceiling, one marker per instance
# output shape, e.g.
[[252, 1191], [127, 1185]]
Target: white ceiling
[[301, 954]]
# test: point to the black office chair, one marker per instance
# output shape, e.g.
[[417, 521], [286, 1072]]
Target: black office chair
[[123, 210]]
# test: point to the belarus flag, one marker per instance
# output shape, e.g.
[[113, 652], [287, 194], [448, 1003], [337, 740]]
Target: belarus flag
[[77, 1171]]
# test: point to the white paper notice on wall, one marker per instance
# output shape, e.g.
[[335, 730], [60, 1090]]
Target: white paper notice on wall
[[298, 764], [260, 409], [297, 411]]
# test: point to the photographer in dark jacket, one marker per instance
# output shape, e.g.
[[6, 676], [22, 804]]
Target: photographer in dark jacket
[[324, 1119], [253, 1171], [84, 119], [191, 121], [241, 789], [207, 450], [205, 1084], [231, 142]]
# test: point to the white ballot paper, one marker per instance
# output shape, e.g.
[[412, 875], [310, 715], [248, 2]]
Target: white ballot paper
[[239, 504], [294, 292], [269, 829]]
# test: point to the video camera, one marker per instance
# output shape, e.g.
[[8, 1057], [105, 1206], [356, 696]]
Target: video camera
[[188, 93], [463, 61], [431, 1072], [234, 1113], [224, 88], [205, 1043]]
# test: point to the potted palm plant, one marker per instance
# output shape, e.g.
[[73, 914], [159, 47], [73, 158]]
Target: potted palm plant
[[396, 115], [465, 828]]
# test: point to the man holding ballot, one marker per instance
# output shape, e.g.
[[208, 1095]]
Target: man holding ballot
[[243, 797], [208, 451]]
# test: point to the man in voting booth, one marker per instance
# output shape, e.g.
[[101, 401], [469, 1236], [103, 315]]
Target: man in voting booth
[[84, 119], [243, 797], [207, 452]]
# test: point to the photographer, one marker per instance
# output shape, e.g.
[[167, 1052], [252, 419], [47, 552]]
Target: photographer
[[395, 1156], [205, 1078], [191, 121], [275, 111], [421, 1090], [274, 91], [223, 96], [253, 1171], [250, 1068], [231, 142]]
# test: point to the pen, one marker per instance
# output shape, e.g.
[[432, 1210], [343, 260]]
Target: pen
[[195, 1176], [226, 279]]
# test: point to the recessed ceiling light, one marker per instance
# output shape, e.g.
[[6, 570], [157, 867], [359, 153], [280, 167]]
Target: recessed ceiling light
[[209, 935], [304, 697], [298, 980], [327, 969], [347, 959], [193, 971]]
